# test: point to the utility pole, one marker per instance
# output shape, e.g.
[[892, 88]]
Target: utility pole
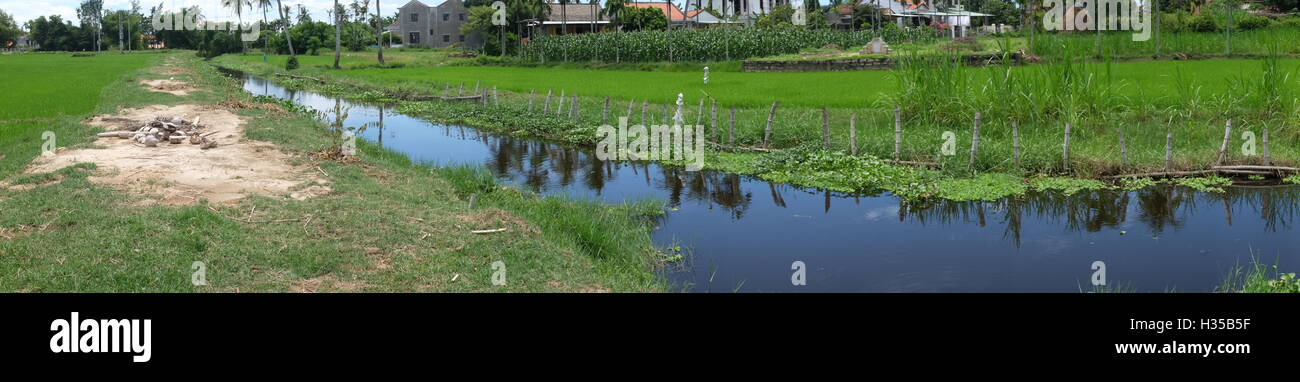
[[121, 44]]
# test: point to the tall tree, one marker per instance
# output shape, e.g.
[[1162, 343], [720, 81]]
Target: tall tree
[[338, 32], [91, 15], [284, 16], [379, 36], [239, 6], [8, 30]]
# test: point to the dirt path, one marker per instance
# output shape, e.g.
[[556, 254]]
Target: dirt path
[[183, 174]]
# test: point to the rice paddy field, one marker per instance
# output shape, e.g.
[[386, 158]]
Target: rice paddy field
[[53, 91]]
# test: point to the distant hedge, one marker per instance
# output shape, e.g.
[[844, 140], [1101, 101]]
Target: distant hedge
[[707, 44]]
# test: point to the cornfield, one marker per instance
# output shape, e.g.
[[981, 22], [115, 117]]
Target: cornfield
[[703, 45]]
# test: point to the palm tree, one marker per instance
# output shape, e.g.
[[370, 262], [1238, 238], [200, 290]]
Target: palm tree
[[264, 4], [238, 6], [379, 23], [614, 10], [284, 16]]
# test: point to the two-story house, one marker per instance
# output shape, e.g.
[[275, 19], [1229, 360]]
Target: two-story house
[[437, 26]]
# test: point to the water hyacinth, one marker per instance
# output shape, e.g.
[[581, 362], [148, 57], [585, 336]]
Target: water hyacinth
[[700, 45]]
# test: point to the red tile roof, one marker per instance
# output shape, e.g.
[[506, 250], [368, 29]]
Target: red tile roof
[[674, 13]]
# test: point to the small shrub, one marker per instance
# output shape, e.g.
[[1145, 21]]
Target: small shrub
[[1253, 22], [1203, 23], [292, 63]]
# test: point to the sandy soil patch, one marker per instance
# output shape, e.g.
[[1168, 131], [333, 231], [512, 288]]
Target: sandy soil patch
[[183, 174], [173, 87]]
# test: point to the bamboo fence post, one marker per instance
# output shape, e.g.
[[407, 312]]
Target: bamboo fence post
[[495, 101], [663, 109], [446, 89], [767, 133], [1268, 160], [731, 128], [461, 90], [530, 99], [604, 115], [1169, 150], [853, 134], [826, 129], [476, 85], [559, 104], [975, 141], [1015, 142], [645, 105], [1065, 148], [1223, 148], [714, 122], [1123, 149], [898, 132], [577, 113], [630, 103], [546, 108], [699, 112]]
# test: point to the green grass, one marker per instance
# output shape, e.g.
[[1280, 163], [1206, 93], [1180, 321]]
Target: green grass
[[1148, 82], [387, 225], [1259, 278]]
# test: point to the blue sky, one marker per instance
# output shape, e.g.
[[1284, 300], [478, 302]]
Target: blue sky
[[24, 10]]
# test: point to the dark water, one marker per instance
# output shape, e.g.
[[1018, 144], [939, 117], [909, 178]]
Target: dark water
[[741, 233]]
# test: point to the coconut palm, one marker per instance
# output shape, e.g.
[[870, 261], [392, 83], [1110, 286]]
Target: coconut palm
[[284, 16], [238, 6], [264, 4], [379, 37]]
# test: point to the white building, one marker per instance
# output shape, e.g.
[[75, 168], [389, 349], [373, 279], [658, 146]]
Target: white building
[[744, 10]]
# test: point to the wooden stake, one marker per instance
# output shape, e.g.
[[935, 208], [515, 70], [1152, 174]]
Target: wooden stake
[[699, 113], [446, 90], [1065, 148], [1268, 160], [559, 105], [1015, 142], [495, 101], [604, 116], [898, 132], [645, 105], [1123, 149], [767, 133], [461, 91], [1169, 150], [975, 140], [853, 134], [630, 103], [1223, 148], [714, 124], [530, 99], [731, 128], [546, 108], [577, 112], [826, 129]]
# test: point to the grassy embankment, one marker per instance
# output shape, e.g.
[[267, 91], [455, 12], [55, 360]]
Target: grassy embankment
[[387, 225]]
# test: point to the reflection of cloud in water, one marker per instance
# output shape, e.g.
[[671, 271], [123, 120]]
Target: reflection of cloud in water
[[875, 214]]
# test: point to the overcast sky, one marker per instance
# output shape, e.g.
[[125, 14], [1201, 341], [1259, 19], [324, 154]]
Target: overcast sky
[[24, 10]]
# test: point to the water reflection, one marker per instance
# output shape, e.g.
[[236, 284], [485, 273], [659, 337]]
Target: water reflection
[[742, 233]]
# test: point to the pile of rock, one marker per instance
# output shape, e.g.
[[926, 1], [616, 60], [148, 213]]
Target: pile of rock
[[166, 129]]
